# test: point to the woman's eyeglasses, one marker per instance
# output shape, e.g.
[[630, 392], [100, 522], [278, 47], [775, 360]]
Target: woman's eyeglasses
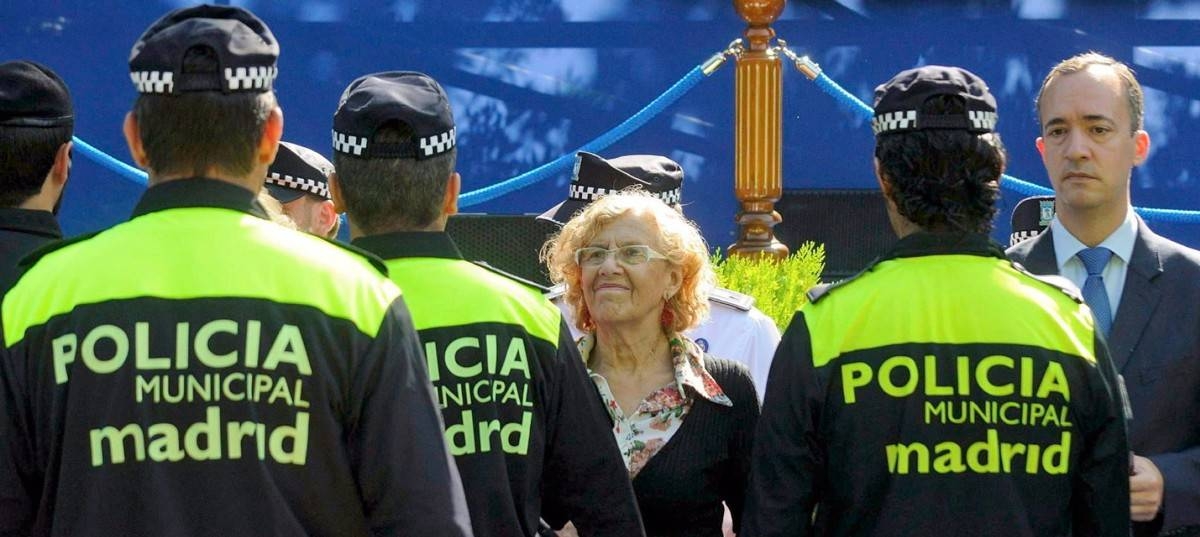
[[634, 254]]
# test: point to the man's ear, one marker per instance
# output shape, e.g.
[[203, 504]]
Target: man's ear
[[453, 186], [61, 169], [133, 138], [335, 191], [272, 133], [884, 185], [1141, 140], [326, 217], [1041, 146]]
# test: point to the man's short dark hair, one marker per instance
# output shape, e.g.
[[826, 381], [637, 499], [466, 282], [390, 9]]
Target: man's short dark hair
[[26, 156], [393, 194], [190, 133], [1080, 62], [943, 180]]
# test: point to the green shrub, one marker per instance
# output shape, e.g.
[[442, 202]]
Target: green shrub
[[779, 287]]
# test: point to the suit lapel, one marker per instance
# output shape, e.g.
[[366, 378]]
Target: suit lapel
[[1138, 299], [1041, 259]]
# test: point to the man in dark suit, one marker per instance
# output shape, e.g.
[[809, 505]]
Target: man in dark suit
[[36, 122], [1143, 289]]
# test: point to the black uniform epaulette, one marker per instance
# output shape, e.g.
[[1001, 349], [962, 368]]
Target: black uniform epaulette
[[1053, 280], [820, 290], [732, 299], [540, 288], [33, 257], [371, 258]]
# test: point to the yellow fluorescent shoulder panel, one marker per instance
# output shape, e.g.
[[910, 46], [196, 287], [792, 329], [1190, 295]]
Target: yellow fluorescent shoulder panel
[[979, 300]]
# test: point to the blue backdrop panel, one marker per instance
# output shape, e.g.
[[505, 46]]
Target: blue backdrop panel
[[533, 79]]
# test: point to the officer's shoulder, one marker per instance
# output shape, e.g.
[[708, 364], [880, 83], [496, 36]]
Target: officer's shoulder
[[1053, 280], [369, 257], [823, 290], [513, 277], [41, 252], [732, 299]]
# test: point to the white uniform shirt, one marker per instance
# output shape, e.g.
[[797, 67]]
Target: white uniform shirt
[[734, 329]]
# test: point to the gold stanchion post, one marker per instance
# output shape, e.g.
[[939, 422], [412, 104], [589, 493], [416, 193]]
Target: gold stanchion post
[[758, 116]]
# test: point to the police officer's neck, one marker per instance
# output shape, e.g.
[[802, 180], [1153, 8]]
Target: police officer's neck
[[902, 226], [249, 182], [438, 225]]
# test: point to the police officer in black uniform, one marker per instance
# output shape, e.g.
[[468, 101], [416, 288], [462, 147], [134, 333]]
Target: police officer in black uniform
[[36, 122], [199, 370], [943, 391], [523, 419]]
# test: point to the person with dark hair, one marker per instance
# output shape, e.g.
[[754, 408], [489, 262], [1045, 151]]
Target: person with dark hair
[[1143, 288], [943, 391], [299, 180], [36, 123], [199, 370], [528, 430]]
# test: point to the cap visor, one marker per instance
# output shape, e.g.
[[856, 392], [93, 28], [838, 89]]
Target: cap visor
[[561, 213], [283, 194]]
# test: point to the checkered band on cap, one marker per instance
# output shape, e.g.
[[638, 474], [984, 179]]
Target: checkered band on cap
[[153, 81], [312, 186], [903, 119], [1017, 237], [349, 144], [982, 120], [437, 144], [244, 78], [592, 193]]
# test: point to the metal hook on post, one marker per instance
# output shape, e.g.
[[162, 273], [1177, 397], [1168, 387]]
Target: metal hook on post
[[806, 66], [735, 50]]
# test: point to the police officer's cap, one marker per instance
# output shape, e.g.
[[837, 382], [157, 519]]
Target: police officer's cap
[[242, 46], [898, 101], [407, 97], [31, 95], [298, 170], [1030, 217], [595, 177]]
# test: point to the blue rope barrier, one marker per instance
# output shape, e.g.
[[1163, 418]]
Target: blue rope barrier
[[104, 159], [601, 143], [1025, 188]]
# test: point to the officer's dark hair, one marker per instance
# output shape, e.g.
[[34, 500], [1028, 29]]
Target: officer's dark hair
[[943, 179], [26, 156], [393, 194], [191, 132]]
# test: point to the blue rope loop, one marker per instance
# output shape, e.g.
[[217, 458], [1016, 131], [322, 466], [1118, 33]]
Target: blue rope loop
[[601, 143], [112, 164], [554, 167], [1025, 188]]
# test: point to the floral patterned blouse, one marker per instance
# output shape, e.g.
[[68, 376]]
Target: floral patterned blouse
[[643, 433]]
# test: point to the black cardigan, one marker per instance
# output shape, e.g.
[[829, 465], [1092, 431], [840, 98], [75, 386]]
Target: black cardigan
[[706, 462]]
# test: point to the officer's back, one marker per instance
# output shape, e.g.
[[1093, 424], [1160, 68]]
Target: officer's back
[[944, 390], [199, 370], [523, 420]]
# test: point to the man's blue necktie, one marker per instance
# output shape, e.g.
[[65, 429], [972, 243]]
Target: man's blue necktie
[[1094, 293]]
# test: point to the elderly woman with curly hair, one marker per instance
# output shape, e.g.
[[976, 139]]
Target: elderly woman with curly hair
[[637, 274]]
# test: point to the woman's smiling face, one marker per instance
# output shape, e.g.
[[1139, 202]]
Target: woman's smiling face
[[616, 292]]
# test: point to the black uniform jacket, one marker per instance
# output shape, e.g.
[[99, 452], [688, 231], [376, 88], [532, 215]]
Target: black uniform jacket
[[22, 231], [524, 421], [944, 391], [199, 370]]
